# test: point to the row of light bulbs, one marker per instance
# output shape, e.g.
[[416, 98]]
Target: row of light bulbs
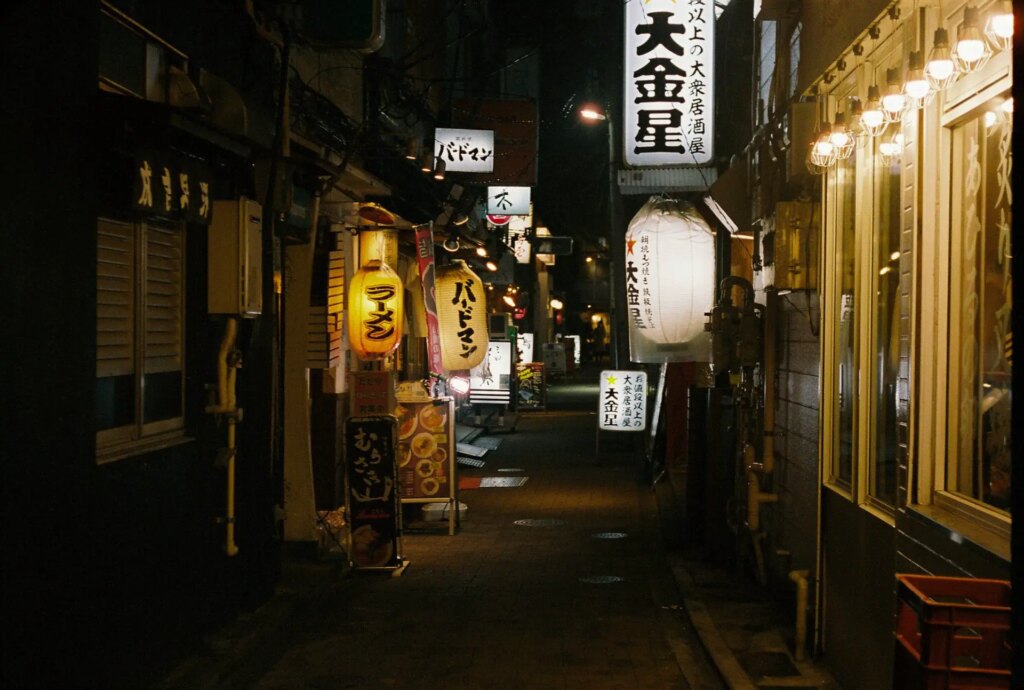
[[946, 63]]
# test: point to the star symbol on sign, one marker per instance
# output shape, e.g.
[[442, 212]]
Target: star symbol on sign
[[611, 380], [629, 246]]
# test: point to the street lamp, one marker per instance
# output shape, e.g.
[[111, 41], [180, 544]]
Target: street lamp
[[593, 113]]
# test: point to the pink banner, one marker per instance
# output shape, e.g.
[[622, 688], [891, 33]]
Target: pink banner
[[425, 257]]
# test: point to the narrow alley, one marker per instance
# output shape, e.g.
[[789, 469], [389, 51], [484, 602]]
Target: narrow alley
[[559, 583]]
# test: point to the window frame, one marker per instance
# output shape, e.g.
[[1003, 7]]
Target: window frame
[[858, 490], [984, 524], [140, 436]]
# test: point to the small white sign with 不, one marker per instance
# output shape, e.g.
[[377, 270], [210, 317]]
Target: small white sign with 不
[[622, 405], [510, 201]]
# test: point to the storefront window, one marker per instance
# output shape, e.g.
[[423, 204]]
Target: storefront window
[[981, 357], [846, 340], [885, 278]]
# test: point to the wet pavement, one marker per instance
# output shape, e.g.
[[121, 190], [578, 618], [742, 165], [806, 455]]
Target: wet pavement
[[560, 582]]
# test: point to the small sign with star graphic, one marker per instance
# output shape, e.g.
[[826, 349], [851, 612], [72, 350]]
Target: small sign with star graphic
[[622, 402]]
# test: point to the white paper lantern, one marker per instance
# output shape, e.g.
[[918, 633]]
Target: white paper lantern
[[670, 281]]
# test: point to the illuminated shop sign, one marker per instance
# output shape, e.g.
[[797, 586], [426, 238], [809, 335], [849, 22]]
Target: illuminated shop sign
[[669, 82], [465, 150]]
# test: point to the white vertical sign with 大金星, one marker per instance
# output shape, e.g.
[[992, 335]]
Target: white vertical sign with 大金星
[[509, 201], [668, 106], [622, 405]]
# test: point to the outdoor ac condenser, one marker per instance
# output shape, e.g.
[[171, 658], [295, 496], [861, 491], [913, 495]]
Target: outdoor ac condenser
[[235, 258]]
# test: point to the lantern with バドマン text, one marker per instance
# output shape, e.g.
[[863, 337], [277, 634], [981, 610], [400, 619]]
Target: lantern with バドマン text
[[375, 311], [462, 316], [670, 283]]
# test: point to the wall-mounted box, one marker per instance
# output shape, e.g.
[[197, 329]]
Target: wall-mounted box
[[235, 258], [796, 240]]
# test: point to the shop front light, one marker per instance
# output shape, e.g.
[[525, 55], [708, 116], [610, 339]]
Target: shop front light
[[491, 266], [841, 138], [999, 27], [872, 117], [940, 70], [917, 87], [458, 385], [509, 300], [894, 102], [891, 150], [971, 50], [481, 251], [557, 304], [823, 151]]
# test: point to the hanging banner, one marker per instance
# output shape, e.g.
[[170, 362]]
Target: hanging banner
[[425, 259], [371, 492], [669, 83], [622, 401]]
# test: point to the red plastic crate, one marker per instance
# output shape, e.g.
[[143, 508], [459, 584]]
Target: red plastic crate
[[952, 632]]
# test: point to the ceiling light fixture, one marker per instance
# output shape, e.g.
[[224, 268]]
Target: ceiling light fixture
[[894, 102], [917, 88], [999, 27]]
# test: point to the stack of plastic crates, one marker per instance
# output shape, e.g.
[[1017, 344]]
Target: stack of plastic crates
[[952, 633]]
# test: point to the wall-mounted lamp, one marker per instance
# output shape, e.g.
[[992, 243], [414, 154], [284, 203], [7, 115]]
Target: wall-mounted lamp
[[509, 300], [872, 116], [894, 102], [491, 266], [481, 251], [999, 27], [412, 148], [971, 51], [917, 88], [940, 68], [439, 169]]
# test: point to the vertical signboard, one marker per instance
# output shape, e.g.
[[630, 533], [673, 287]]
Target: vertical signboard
[[425, 259], [491, 381], [371, 492], [668, 114], [622, 402]]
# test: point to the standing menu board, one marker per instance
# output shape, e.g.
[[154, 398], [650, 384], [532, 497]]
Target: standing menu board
[[426, 452], [371, 492], [532, 392]]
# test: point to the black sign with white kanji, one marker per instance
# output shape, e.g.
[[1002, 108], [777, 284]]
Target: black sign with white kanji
[[371, 491]]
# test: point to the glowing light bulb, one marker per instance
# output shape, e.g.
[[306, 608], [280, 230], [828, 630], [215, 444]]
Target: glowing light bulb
[[459, 384], [481, 251], [1007, 106], [971, 50], [999, 27], [990, 118]]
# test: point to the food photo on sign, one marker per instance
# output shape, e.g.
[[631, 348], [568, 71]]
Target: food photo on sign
[[424, 448]]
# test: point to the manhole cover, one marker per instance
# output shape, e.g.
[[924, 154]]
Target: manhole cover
[[610, 535], [600, 579], [511, 469], [540, 522]]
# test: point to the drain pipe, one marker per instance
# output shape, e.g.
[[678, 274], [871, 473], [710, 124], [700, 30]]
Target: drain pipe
[[800, 578], [228, 363]]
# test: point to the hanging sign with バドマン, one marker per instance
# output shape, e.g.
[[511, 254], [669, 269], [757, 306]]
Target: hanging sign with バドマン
[[622, 402], [371, 492], [171, 185]]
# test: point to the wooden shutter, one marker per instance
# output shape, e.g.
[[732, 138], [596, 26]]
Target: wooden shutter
[[163, 286], [115, 298]]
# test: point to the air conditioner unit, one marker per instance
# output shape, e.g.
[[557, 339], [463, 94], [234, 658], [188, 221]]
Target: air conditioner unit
[[235, 258]]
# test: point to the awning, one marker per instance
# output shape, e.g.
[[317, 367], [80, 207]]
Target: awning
[[728, 199], [654, 180]]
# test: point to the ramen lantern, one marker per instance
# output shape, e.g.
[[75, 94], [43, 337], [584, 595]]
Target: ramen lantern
[[670, 280], [375, 311], [462, 316]]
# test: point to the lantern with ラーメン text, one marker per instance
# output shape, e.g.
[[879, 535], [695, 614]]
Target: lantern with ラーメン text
[[670, 283], [462, 316], [375, 311]]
